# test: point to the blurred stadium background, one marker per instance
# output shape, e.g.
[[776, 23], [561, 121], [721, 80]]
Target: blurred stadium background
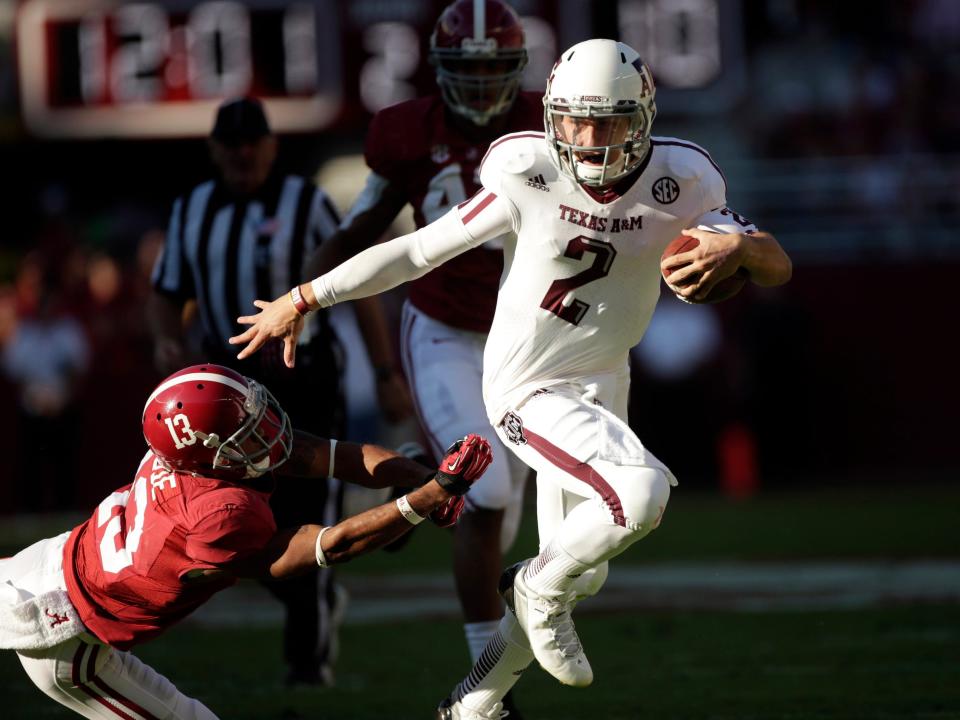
[[810, 564]]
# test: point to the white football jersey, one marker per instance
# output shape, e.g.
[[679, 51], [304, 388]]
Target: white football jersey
[[582, 272]]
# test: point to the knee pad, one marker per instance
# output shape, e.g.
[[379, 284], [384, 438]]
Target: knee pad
[[643, 493]]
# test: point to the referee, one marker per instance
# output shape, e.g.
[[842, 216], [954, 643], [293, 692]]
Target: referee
[[232, 239]]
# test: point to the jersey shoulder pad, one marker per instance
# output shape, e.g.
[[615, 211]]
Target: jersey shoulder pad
[[688, 161], [400, 132], [512, 154]]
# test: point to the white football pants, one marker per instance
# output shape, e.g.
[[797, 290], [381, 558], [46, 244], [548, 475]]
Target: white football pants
[[599, 489], [92, 679], [444, 367]]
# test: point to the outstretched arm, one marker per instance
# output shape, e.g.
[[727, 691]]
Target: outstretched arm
[[376, 269], [295, 550], [371, 466]]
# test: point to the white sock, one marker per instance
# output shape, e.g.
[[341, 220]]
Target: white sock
[[552, 572], [497, 670], [478, 635]]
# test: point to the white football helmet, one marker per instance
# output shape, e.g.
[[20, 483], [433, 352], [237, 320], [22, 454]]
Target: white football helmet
[[598, 111]]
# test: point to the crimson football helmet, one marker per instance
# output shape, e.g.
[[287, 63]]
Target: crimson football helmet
[[477, 48], [209, 420]]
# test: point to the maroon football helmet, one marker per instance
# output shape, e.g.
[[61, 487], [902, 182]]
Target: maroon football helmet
[[477, 48], [209, 420]]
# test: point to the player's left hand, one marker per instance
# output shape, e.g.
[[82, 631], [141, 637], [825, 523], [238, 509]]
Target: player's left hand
[[695, 272], [463, 463], [277, 319], [447, 514]]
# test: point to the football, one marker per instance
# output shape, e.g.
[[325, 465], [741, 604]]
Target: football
[[723, 290]]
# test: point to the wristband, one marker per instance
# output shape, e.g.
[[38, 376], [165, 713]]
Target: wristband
[[321, 559], [403, 505], [453, 484], [298, 302]]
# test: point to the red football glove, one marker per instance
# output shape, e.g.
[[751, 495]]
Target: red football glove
[[463, 463], [447, 514]]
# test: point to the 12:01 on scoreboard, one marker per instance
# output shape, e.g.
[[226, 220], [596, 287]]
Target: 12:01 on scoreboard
[[91, 68]]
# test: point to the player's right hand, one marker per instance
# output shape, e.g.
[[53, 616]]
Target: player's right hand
[[277, 319], [463, 463]]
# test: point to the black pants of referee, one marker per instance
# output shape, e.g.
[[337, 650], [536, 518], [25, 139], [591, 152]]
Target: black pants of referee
[[311, 395]]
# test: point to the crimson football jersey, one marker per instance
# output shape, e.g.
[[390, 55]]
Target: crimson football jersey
[[125, 567], [411, 146]]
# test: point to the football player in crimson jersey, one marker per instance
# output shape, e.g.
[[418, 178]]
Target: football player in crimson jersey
[[594, 200], [195, 518], [426, 153]]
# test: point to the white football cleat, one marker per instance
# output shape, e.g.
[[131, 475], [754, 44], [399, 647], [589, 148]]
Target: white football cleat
[[450, 710], [549, 628]]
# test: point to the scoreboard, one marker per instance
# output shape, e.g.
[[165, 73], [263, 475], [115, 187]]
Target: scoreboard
[[109, 68]]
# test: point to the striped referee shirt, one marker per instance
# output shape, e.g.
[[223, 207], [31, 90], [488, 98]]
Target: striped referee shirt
[[225, 252]]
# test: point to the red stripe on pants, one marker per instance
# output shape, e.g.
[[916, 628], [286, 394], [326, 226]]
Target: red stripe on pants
[[91, 677], [581, 471], [126, 702]]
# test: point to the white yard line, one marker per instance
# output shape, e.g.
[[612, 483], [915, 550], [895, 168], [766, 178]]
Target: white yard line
[[748, 587]]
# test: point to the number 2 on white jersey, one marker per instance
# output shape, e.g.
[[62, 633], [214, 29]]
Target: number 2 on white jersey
[[559, 298], [113, 558]]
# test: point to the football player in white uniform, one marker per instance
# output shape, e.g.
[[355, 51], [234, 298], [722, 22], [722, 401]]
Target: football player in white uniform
[[593, 202]]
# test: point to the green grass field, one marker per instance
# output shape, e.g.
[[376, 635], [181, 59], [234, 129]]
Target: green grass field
[[881, 662]]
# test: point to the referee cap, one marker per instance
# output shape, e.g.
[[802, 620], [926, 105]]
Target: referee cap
[[240, 120]]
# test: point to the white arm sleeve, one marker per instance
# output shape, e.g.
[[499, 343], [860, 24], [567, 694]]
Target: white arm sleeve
[[408, 257]]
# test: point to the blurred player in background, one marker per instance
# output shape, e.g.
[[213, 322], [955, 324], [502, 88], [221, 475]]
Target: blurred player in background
[[594, 202], [231, 239], [195, 518], [426, 153]]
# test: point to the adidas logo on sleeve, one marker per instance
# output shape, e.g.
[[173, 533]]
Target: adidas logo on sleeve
[[538, 182]]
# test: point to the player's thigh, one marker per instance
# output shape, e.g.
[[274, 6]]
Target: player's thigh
[[444, 368], [586, 451], [140, 686], [98, 681], [37, 568], [52, 671]]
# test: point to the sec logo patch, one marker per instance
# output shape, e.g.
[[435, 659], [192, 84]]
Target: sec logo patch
[[666, 190]]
